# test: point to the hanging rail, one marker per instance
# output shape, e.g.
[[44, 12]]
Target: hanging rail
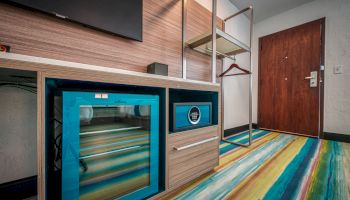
[[238, 13], [217, 52], [245, 72]]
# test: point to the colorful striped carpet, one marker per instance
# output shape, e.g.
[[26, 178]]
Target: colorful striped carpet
[[275, 166]]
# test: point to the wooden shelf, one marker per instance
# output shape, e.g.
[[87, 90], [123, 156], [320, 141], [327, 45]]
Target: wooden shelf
[[226, 45], [78, 71]]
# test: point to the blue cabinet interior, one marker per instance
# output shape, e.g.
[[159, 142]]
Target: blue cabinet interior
[[63, 175], [182, 100]]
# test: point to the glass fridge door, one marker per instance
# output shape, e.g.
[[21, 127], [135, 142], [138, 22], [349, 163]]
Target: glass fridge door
[[109, 146]]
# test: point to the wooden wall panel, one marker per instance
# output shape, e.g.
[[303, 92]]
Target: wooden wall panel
[[37, 34], [199, 22]]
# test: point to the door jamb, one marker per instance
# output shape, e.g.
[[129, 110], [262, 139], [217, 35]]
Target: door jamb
[[322, 79]]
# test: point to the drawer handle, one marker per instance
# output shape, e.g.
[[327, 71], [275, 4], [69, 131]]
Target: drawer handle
[[195, 144]]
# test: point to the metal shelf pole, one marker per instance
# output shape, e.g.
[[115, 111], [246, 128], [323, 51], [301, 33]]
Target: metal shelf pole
[[213, 56], [184, 21]]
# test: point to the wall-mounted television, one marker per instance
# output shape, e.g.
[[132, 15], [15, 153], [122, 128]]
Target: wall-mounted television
[[120, 17]]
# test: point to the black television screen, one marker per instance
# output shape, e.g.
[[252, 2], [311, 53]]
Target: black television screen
[[121, 17]]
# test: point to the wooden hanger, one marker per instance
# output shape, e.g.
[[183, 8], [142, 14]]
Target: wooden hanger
[[234, 65]]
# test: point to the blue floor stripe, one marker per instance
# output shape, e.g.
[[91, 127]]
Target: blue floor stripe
[[288, 183]]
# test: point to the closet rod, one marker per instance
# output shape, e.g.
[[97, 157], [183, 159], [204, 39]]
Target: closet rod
[[238, 13], [222, 54]]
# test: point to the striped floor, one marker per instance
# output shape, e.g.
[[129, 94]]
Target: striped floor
[[275, 166]]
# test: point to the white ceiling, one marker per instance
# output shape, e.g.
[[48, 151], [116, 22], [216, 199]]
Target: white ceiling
[[267, 8]]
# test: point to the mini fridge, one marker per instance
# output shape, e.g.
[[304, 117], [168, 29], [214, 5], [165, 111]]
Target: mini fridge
[[110, 147]]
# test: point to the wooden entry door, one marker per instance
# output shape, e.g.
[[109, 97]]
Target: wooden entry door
[[287, 102]]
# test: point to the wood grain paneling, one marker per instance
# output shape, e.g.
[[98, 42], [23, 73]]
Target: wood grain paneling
[[105, 76], [286, 101], [199, 22], [41, 150], [305, 100], [266, 114], [185, 165], [37, 34]]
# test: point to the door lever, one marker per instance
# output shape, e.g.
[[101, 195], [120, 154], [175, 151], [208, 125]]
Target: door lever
[[312, 78]]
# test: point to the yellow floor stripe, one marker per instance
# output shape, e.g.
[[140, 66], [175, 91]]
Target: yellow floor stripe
[[257, 184], [232, 156], [240, 139]]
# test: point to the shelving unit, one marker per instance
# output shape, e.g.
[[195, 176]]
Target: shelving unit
[[224, 45]]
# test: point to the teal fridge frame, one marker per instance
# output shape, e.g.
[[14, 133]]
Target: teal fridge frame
[[71, 140]]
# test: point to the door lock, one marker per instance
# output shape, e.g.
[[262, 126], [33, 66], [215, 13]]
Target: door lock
[[312, 78]]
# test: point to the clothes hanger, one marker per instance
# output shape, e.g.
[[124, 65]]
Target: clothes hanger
[[233, 66]]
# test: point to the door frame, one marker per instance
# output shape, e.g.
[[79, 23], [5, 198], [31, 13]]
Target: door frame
[[321, 77]]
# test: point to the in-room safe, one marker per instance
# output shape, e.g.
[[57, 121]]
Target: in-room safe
[[186, 116]]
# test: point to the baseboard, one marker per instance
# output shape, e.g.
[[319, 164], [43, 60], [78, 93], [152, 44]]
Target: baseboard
[[238, 129], [19, 189], [336, 137]]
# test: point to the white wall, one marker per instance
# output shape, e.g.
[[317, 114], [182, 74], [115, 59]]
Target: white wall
[[17, 134], [236, 91], [337, 41]]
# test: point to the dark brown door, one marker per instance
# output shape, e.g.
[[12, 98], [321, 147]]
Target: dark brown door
[[287, 101]]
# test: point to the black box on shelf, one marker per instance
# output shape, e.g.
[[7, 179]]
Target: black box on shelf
[[4, 48], [158, 68]]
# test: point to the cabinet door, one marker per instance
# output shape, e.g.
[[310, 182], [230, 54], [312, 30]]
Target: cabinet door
[[109, 146]]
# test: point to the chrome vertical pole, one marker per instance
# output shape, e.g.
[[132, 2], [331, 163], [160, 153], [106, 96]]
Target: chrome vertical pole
[[184, 21], [251, 78], [222, 105], [213, 57], [222, 95]]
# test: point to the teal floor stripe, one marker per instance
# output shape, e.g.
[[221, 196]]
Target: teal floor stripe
[[288, 183]]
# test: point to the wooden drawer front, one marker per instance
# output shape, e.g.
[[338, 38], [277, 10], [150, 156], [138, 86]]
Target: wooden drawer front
[[192, 153]]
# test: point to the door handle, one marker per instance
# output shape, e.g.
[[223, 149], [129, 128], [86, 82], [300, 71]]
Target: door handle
[[312, 78]]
